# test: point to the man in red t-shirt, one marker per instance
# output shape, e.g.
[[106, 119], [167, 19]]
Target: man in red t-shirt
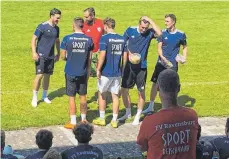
[[93, 28], [170, 133]]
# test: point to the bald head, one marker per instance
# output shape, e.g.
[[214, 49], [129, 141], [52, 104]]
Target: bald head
[[169, 82]]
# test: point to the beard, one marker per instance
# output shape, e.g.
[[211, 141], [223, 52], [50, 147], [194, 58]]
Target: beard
[[89, 22]]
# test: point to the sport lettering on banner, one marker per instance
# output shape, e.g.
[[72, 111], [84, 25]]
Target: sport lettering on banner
[[178, 141]]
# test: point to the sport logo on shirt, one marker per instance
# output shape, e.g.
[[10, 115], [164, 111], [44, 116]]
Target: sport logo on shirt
[[99, 29]]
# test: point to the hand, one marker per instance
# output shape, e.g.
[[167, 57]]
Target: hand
[[35, 56], [146, 18], [98, 74], [57, 57]]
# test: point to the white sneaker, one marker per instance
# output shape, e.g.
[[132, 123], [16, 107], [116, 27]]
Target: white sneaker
[[34, 103], [136, 121], [148, 109], [126, 116], [46, 100]]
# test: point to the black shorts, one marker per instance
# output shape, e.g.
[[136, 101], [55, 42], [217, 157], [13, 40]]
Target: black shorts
[[76, 84], [134, 76], [44, 65], [158, 69]]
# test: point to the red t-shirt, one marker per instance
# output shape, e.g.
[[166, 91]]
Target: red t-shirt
[[170, 134], [95, 31]]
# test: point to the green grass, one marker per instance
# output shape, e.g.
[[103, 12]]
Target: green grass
[[205, 24]]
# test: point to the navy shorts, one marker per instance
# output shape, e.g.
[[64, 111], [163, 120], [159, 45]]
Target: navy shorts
[[44, 66]]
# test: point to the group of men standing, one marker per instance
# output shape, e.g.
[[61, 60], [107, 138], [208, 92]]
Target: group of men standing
[[93, 38]]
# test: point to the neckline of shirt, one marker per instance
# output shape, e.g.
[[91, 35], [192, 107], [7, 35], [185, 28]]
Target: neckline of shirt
[[174, 32]]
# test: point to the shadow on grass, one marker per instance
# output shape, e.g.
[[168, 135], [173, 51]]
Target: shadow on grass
[[57, 93], [185, 100], [94, 98]]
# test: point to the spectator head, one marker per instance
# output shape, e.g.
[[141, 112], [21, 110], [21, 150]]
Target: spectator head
[[55, 15], [83, 132], [169, 87], [78, 23], [109, 23], [89, 15], [3, 138], [199, 132], [170, 20], [44, 139], [227, 128], [143, 25]]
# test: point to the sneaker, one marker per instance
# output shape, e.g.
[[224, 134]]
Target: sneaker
[[46, 100], [136, 121], [34, 103], [148, 109], [125, 117], [69, 125], [114, 124], [99, 121]]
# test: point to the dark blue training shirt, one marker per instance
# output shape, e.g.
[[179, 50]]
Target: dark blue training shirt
[[171, 43], [38, 155], [139, 43], [221, 144], [78, 47], [113, 44], [47, 36], [82, 152]]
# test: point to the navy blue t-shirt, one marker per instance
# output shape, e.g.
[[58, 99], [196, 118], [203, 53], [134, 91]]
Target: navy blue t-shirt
[[139, 43], [78, 47], [47, 36], [113, 44], [171, 43], [221, 145], [82, 152], [38, 155]]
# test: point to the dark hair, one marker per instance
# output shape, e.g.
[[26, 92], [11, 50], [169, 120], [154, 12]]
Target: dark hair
[[3, 137], [199, 132], [227, 125], [54, 11], [83, 132], [172, 16], [109, 22], [91, 11], [78, 21], [44, 139]]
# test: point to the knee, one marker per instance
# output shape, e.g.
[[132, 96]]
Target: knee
[[39, 76]]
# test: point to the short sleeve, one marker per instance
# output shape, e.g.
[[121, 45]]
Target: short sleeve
[[102, 44], [64, 43], [183, 40], [125, 35], [39, 30]]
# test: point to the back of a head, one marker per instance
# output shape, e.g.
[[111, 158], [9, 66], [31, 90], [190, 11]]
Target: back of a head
[[3, 137], [78, 22], [83, 132], [169, 82], [109, 22], [44, 139]]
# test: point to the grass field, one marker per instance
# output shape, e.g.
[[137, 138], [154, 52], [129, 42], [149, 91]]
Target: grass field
[[204, 78]]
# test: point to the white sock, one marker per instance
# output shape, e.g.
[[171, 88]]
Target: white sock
[[128, 111], [115, 116], [138, 113], [35, 94], [44, 95], [83, 117], [102, 114], [73, 119]]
